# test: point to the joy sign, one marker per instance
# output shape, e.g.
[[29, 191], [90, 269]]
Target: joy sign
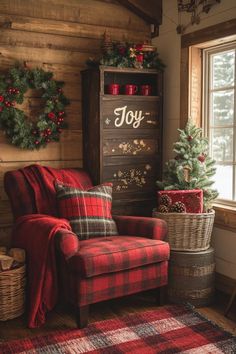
[[124, 116]]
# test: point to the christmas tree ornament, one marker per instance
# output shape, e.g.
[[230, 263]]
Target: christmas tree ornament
[[165, 200], [187, 171], [201, 158], [192, 167], [163, 208], [20, 130], [178, 207]]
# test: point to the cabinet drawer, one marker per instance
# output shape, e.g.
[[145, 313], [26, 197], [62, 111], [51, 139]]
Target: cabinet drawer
[[133, 177], [130, 146], [127, 113]]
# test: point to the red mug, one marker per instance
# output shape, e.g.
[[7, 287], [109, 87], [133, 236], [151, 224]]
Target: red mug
[[114, 89], [131, 89], [146, 90]]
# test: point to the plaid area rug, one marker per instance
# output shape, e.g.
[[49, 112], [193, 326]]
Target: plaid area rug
[[167, 330]]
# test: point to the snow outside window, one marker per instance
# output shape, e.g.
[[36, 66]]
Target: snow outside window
[[219, 116]]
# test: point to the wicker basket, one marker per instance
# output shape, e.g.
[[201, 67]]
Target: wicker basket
[[12, 293], [188, 231]]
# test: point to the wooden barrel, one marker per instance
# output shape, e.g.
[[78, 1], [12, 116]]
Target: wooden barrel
[[191, 277]]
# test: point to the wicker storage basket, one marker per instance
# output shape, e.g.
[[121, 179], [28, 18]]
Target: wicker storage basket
[[12, 293], [188, 231]]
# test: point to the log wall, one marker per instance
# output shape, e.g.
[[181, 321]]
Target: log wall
[[58, 36]]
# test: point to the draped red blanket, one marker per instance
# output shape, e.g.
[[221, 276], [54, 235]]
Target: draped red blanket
[[35, 233]]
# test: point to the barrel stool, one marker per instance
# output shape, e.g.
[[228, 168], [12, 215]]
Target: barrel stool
[[191, 277]]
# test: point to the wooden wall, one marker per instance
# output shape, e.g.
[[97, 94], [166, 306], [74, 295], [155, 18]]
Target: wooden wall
[[58, 36]]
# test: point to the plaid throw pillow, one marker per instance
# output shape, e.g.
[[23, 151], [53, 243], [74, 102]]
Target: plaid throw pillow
[[88, 211]]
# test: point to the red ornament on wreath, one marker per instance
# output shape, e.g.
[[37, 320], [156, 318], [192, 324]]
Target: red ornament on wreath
[[19, 130]]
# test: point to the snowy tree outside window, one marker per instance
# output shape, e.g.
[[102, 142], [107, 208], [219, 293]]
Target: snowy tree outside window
[[219, 116]]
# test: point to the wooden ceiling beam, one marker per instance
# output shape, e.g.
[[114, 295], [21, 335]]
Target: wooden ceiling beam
[[150, 11]]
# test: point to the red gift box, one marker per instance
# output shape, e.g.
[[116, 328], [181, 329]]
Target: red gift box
[[192, 199]]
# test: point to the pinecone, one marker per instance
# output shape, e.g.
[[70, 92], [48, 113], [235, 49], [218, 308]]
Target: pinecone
[[163, 209], [178, 207], [165, 200]]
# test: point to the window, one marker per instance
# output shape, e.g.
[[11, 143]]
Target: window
[[219, 116]]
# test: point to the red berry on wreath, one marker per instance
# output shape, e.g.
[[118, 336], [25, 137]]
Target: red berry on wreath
[[61, 113], [59, 90], [51, 115], [36, 142], [1, 108], [1, 98]]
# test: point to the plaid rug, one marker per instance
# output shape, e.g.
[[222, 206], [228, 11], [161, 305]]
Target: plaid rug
[[167, 330]]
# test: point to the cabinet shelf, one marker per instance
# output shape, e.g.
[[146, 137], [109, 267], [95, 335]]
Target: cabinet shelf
[[129, 97]]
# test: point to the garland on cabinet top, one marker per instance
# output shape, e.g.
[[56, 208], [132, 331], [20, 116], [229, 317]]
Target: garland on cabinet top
[[20, 130], [127, 55], [191, 168]]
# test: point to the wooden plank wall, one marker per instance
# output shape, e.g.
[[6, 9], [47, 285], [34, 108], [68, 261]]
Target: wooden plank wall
[[58, 36]]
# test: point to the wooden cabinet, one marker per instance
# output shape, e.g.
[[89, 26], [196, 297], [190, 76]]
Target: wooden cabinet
[[122, 135]]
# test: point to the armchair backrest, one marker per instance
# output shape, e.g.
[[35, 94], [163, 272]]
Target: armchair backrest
[[31, 189]]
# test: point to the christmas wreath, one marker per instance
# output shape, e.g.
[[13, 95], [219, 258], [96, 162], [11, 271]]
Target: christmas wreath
[[19, 129]]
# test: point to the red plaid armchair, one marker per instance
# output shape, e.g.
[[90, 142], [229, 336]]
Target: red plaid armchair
[[90, 270]]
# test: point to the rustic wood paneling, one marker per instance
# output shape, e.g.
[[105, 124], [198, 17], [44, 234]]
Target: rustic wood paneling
[[57, 36]]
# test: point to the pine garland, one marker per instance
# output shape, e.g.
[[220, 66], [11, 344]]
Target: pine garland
[[127, 55], [47, 127], [191, 168]]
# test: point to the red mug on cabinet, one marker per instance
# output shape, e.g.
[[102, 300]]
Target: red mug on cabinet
[[146, 90], [114, 89], [131, 89]]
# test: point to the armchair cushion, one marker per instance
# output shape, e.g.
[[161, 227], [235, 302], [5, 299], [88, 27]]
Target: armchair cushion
[[116, 253], [88, 211]]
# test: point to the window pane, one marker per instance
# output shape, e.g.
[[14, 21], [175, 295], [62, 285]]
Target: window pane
[[223, 107], [223, 69], [224, 181], [222, 144]]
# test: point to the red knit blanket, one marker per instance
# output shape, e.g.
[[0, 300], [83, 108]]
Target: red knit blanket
[[35, 234]]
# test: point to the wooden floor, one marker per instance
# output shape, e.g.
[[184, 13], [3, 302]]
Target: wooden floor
[[62, 318]]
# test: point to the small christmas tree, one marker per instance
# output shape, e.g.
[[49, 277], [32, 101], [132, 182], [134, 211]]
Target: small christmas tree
[[191, 168]]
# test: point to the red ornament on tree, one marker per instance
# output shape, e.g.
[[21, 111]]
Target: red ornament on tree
[[1, 98], [190, 138], [1, 108], [201, 158]]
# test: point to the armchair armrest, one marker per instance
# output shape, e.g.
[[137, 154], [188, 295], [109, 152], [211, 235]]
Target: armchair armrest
[[141, 226], [67, 243]]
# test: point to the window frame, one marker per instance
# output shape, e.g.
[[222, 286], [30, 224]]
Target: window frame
[[190, 91], [206, 74]]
